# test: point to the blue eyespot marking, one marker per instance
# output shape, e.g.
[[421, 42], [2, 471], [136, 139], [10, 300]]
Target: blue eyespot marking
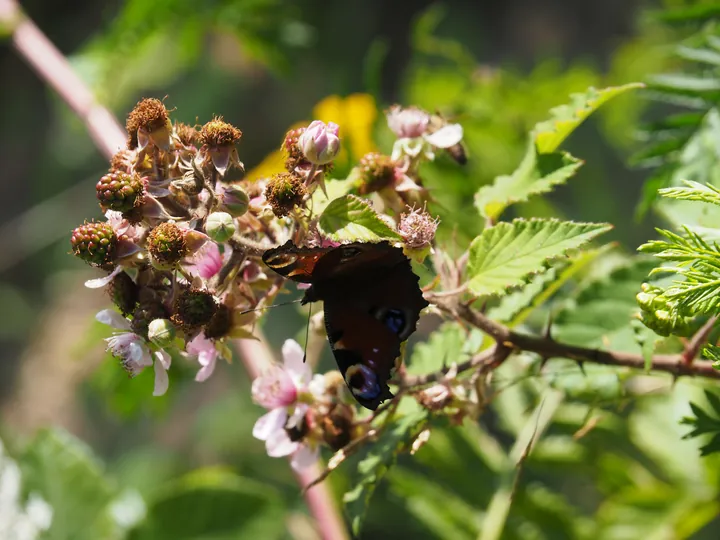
[[362, 381], [394, 319]]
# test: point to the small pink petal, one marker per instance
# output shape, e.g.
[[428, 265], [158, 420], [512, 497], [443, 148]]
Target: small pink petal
[[446, 136], [207, 361], [279, 444], [269, 423], [164, 358], [113, 318], [101, 282], [293, 360], [161, 379]]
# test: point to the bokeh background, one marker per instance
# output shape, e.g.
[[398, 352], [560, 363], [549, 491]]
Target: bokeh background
[[495, 67]]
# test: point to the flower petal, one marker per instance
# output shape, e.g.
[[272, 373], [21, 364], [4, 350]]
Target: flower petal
[[297, 415], [113, 318], [207, 361], [269, 423], [279, 444], [164, 358], [101, 282], [446, 136], [139, 354], [294, 361], [161, 379], [304, 457]]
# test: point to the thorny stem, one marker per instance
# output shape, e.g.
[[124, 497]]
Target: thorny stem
[[547, 347], [107, 134]]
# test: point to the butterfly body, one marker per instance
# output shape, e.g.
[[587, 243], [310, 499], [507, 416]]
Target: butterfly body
[[372, 303]]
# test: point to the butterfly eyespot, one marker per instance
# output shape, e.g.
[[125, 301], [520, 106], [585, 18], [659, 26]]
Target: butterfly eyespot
[[280, 260], [394, 319], [362, 382]]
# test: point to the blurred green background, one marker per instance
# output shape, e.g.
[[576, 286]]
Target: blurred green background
[[495, 67]]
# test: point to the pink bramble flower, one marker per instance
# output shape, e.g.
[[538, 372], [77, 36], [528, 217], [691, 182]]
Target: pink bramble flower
[[288, 391], [409, 123], [134, 352]]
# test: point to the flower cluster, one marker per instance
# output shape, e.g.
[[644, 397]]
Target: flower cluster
[[183, 236]]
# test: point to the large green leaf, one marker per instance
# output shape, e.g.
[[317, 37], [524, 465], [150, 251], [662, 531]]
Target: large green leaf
[[395, 439], [505, 255], [66, 474], [351, 218], [536, 174], [550, 134], [212, 504]]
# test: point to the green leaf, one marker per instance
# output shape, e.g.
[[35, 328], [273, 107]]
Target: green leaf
[[503, 256], [685, 84], [395, 439], [603, 308], [706, 56], [449, 343], [351, 218], [703, 424], [536, 174], [70, 479], [693, 191], [550, 134], [212, 504]]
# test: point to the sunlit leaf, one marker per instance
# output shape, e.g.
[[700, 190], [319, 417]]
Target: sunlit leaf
[[351, 218], [505, 255]]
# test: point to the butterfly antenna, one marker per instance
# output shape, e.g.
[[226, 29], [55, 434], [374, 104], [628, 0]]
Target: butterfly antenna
[[272, 306], [307, 332]]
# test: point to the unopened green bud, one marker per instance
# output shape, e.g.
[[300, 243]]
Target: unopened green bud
[[161, 332], [234, 201], [220, 226]]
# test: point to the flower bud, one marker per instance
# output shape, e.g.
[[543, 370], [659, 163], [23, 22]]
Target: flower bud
[[320, 142], [161, 332], [148, 310], [95, 243], [220, 226], [234, 201]]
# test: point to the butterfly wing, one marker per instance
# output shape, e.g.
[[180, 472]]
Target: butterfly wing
[[294, 262], [367, 317]]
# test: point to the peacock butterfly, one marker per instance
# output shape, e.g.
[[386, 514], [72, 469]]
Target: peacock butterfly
[[372, 304]]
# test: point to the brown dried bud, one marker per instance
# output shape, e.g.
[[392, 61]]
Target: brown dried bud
[[193, 308], [123, 292], [187, 134], [376, 172], [220, 324], [218, 133], [166, 244], [144, 314], [338, 426], [150, 116], [284, 192]]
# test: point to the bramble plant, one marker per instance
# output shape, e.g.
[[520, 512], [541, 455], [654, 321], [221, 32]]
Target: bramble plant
[[544, 392], [185, 232]]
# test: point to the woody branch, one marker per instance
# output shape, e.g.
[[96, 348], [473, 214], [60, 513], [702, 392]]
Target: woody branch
[[508, 341]]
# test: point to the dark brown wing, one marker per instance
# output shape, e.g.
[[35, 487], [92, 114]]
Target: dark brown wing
[[367, 317], [294, 262], [365, 351]]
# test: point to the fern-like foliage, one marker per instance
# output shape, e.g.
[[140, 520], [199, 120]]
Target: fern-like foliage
[[692, 90]]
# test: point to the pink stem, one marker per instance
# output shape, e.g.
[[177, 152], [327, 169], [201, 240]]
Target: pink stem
[[52, 67], [257, 356], [109, 136]]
